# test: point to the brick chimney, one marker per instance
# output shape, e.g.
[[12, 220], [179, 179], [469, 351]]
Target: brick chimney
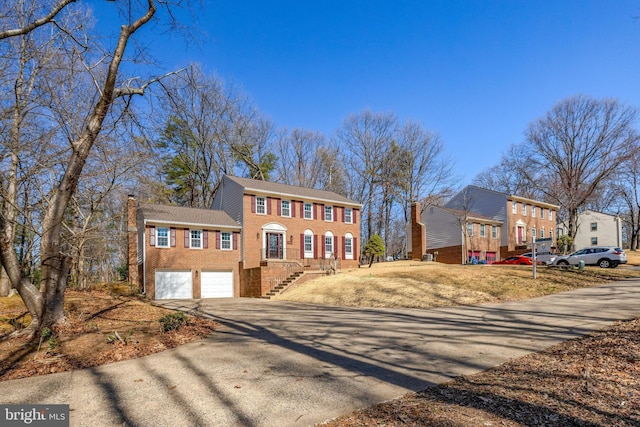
[[418, 234], [132, 240]]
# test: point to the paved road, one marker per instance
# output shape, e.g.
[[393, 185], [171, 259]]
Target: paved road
[[284, 364]]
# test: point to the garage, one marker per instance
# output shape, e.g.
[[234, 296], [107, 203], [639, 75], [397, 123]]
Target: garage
[[174, 284], [217, 284]]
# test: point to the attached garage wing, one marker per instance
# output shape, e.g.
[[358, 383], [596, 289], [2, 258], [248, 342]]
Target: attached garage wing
[[174, 284], [217, 284]]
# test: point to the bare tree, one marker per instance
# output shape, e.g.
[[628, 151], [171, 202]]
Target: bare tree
[[510, 175], [571, 152], [428, 176], [45, 303], [297, 157], [30, 24], [627, 186], [365, 139]]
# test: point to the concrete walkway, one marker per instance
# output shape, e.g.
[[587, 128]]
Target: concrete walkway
[[284, 364]]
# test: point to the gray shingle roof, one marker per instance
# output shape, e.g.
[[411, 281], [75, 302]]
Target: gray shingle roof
[[186, 216], [290, 190]]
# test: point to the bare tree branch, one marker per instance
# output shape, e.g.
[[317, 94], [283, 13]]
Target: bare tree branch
[[37, 23]]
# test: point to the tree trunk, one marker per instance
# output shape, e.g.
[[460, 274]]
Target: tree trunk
[[5, 285]]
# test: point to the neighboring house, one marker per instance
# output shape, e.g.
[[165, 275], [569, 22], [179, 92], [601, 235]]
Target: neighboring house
[[183, 252], [595, 229], [460, 237], [285, 227], [521, 218]]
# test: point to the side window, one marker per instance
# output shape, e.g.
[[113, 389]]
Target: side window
[[225, 241], [261, 206], [328, 213], [348, 215], [308, 211], [163, 237], [307, 243], [328, 245], [348, 246], [285, 207], [196, 239]]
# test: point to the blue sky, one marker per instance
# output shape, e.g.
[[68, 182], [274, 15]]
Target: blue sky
[[476, 72]]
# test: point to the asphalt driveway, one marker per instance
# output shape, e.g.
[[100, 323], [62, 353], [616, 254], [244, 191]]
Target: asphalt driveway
[[285, 364]]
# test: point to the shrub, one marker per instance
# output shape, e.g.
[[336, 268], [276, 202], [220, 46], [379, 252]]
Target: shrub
[[172, 321]]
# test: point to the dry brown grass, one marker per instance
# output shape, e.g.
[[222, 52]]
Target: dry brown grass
[[633, 257], [426, 284]]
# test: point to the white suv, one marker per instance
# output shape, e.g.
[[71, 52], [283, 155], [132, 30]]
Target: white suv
[[603, 256], [543, 256]]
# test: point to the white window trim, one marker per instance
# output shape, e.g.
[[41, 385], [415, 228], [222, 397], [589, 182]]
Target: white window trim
[[348, 238], [191, 239], [328, 209], [158, 245], [494, 231], [533, 211], [524, 209], [483, 230], [259, 206], [348, 218], [310, 211], [310, 253], [329, 253], [282, 202], [222, 240], [514, 208], [469, 229]]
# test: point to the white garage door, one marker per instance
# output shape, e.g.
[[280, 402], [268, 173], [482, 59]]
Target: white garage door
[[174, 284], [217, 284]]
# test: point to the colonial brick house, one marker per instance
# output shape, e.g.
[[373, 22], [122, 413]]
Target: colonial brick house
[[521, 218], [257, 235], [287, 228]]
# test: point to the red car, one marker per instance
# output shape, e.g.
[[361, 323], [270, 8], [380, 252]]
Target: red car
[[517, 260]]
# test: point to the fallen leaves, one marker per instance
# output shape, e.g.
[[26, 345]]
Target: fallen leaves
[[99, 328]]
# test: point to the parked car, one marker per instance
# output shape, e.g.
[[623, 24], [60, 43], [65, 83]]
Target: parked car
[[602, 256], [545, 256], [516, 260]]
